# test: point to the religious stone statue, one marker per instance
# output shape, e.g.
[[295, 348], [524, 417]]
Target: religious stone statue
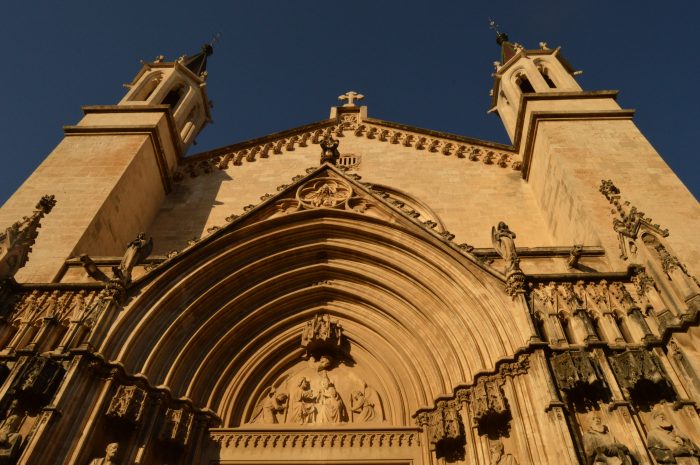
[[601, 446], [366, 406], [330, 407], [266, 412], [666, 444], [504, 243], [302, 404], [110, 457], [10, 439], [329, 150], [136, 252], [498, 457]]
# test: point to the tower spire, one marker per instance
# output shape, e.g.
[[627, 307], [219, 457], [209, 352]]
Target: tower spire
[[198, 63], [508, 49]]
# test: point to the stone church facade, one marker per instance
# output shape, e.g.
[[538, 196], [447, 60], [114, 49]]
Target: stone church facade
[[353, 290]]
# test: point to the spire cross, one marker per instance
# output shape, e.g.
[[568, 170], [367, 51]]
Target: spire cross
[[351, 96], [494, 26]]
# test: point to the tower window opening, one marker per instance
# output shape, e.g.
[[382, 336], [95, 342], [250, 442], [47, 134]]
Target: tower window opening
[[547, 79], [148, 87], [174, 96], [524, 84]]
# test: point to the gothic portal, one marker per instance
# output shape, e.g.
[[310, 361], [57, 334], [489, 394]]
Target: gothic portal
[[352, 290]]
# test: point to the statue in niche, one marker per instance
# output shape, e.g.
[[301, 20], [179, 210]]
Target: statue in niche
[[366, 406], [497, 455], [329, 150], [666, 444], [267, 410], [136, 252], [10, 439], [110, 457], [601, 446], [303, 404], [330, 407]]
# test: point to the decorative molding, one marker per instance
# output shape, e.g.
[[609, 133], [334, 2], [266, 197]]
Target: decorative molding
[[339, 438], [382, 131]]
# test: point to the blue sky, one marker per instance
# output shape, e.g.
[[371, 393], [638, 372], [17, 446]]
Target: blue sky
[[281, 64]]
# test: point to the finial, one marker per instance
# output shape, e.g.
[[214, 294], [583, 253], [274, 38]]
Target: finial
[[543, 46], [500, 36], [215, 39], [350, 96]]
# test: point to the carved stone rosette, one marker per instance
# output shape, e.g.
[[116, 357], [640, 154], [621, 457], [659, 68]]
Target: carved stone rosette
[[127, 405], [639, 374], [577, 374]]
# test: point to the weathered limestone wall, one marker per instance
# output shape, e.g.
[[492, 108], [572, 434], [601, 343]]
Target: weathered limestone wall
[[82, 173], [570, 159], [469, 197]]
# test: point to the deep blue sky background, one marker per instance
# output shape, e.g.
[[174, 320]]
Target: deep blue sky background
[[281, 64]]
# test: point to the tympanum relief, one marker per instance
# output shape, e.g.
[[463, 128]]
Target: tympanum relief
[[326, 388]]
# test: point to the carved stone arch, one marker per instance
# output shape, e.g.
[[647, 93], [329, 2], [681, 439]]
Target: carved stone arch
[[229, 303], [412, 203], [147, 87]]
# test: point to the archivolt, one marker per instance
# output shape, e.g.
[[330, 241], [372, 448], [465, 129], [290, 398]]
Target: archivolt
[[220, 323]]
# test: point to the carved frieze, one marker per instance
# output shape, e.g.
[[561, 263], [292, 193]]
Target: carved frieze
[[489, 404], [177, 426], [127, 404], [638, 372], [316, 439], [442, 424], [577, 372], [39, 379]]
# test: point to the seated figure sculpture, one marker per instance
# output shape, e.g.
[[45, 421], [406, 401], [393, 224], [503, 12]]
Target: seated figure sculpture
[[667, 445], [601, 446]]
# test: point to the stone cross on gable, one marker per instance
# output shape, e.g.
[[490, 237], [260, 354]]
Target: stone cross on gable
[[351, 96]]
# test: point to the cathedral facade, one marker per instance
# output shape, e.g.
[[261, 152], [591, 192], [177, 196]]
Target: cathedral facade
[[353, 290]]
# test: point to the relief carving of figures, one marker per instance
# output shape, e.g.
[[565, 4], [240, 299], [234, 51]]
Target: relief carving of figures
[[127, 404], [330, 407], [136, 251], [110, 457], [602, 448], [366, 406], [302, 409], [10, 439], [497, 455], [274, 404], [666, 444]]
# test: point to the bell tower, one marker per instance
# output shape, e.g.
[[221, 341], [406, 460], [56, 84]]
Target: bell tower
[[112, 170], [571, 139]]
